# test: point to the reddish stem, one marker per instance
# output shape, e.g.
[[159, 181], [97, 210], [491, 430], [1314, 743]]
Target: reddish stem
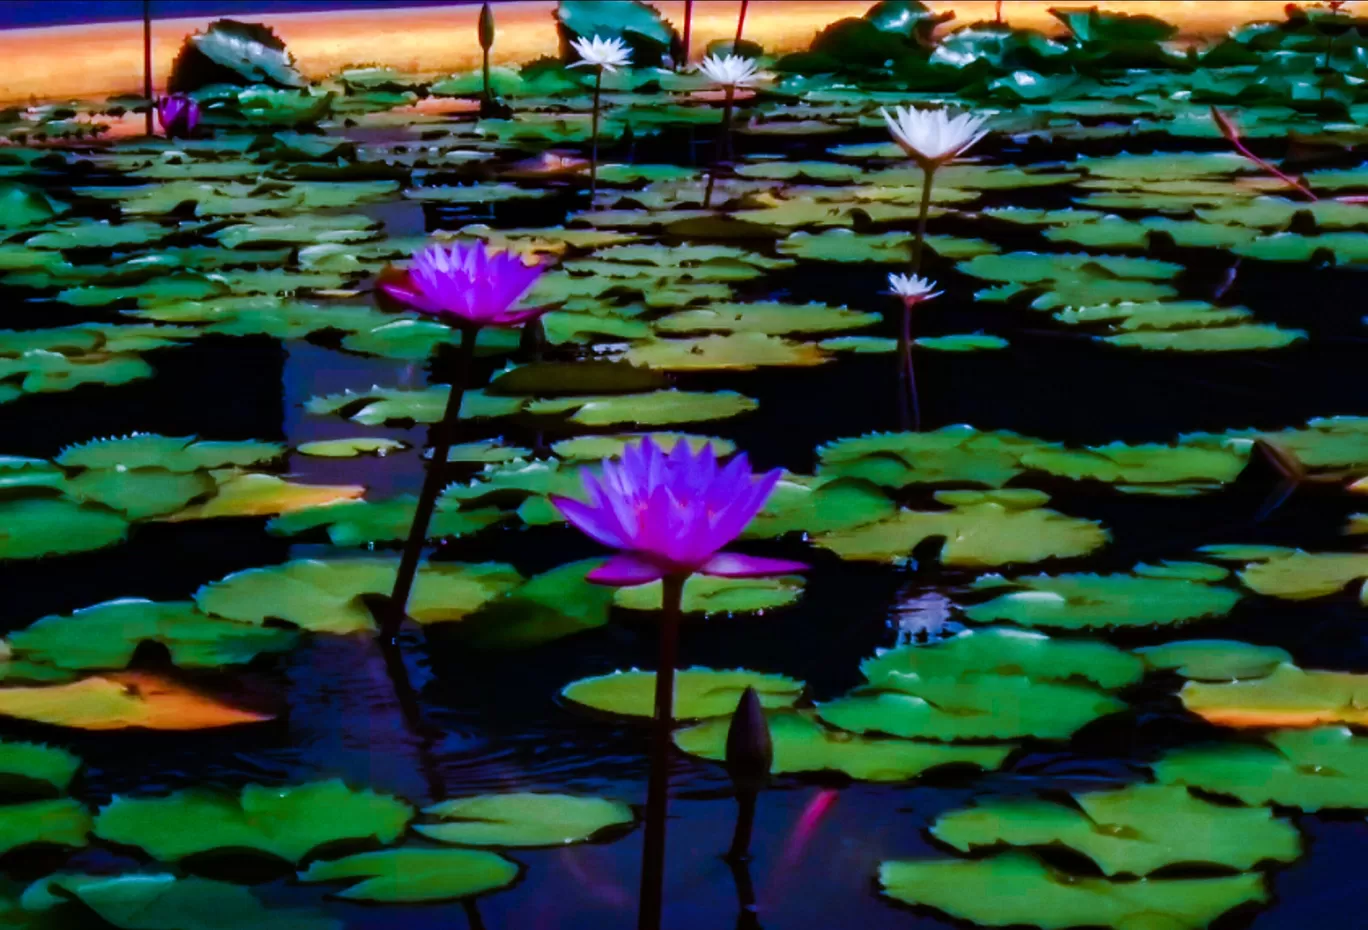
[[1271, 169]]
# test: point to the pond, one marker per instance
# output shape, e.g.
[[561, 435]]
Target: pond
[[1066, 627]]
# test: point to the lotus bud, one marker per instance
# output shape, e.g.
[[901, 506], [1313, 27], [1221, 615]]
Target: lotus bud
[[486, 26], [1225, 124], [750, 750]]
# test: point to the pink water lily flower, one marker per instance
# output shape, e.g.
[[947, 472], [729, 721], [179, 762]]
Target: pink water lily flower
[[671, 514], [468, 284], [178, 115]]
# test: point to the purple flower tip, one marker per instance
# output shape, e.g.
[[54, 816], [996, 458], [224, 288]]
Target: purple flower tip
[[468, 284], [671, 513], [178, 114]]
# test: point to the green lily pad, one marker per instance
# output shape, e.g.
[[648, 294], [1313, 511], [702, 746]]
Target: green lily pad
[[142, 901], [523, 819], [1006, 651], [819, 506], [1317, 769], [1214, 659], [737, 352], [358, 523], [983, 535], [699, 692], [1136, 830], [969, 342], [802, 744], [351, 448], [1086, 601], [42, 372], [380, 406], [22, 205], [589, 448], [1149, 463], [548, 379], [1245, 337], [659, 408], [412, 876], [62, 822], [141, 493], [1299, 576], [326, 597], [950, 454], [1036, 267], [1015, 888], [32, 768], [859, 344], [770, 318], [1164, 166], [106, 635], [30, 528], [1287, 696], [287, 823], [546, 607], [707, 594], [178, 454]]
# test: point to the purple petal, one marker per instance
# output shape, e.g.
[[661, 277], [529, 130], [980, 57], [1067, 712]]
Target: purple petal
[[589, 521], [736, 565], [625, 571], [410, 296]]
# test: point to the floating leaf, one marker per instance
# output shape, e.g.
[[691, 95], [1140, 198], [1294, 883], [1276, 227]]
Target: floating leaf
[[1319, 769], [258, 495], [1300, 576], [33, 527], [819, 506], [356, 523], [699, 692], [708, 594], [32, 768], [1286, 697], [1136, 830], [178, 454], [659, 408], [739, 352], [1214, 659], [106, 636], [140, 493], [288, 823], [546, 607], [326, 597], [969, 342], [523, 819], [43, 823], [1085, 601], [120, 700], [351, 448], [412, 876], [141, 901], [770, 318], [1015, 888]]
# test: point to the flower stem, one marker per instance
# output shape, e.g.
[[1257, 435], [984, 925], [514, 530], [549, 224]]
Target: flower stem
[[593, 133], [658, 786], [147, 63], [723, 147], [439, 439], [1267, 166], [918, 244], [908, 372]]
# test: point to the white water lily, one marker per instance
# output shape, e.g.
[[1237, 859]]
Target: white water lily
[[731, 71], [933, 137], [911, 288], [608, 54]]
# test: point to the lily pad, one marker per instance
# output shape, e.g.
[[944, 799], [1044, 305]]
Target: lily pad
[[178, 454], [412, 876], [257, 495], [140, 493], [708, 594], [968, 342], [142, 901], [326, 597], [1214, 659], [659, 408], [1085, 601], [1285, 697], [699, 692], [350, 448], [34, 527], [546, 607], [287, 823], [1299, 576], [523, 819], [106, 636], [1015, 888], [1312, 770], [122, 700], [62, 822], [1136, 830], [819, 506], [772, 318], [356, 522], [802, 744], [738, 352], [32, 768]]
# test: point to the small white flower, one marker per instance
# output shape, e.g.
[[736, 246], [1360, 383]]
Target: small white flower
[[731, 71], [933, 137], [911, 288], [608, 54]]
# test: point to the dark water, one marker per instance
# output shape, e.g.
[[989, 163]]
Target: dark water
[[818, 841]]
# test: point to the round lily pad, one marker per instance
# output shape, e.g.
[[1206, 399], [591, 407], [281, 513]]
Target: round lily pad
[[34, 527], [523, 819], [106, 635], [969, 342], [1214, 659], [183, 453], [32, 768], [1017, 889], [326, 597], [140, 493], [708, 594], [62, 822], [1136, 830], [411, 876], [1285, 697], [144, 901], [699, 692], [121, 700], [658, 408], [252, 494], [772, 318], [350, 448], [819, 506], [1084, 601], [1317, 769], [802, 744], [287, 823], [986, 534], [359, 522], [1300, 576], [738, 352], [555, 604]]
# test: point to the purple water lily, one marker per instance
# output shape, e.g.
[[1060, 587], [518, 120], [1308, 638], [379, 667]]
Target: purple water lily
[[468, 282], [671, 514], [179, 115]]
